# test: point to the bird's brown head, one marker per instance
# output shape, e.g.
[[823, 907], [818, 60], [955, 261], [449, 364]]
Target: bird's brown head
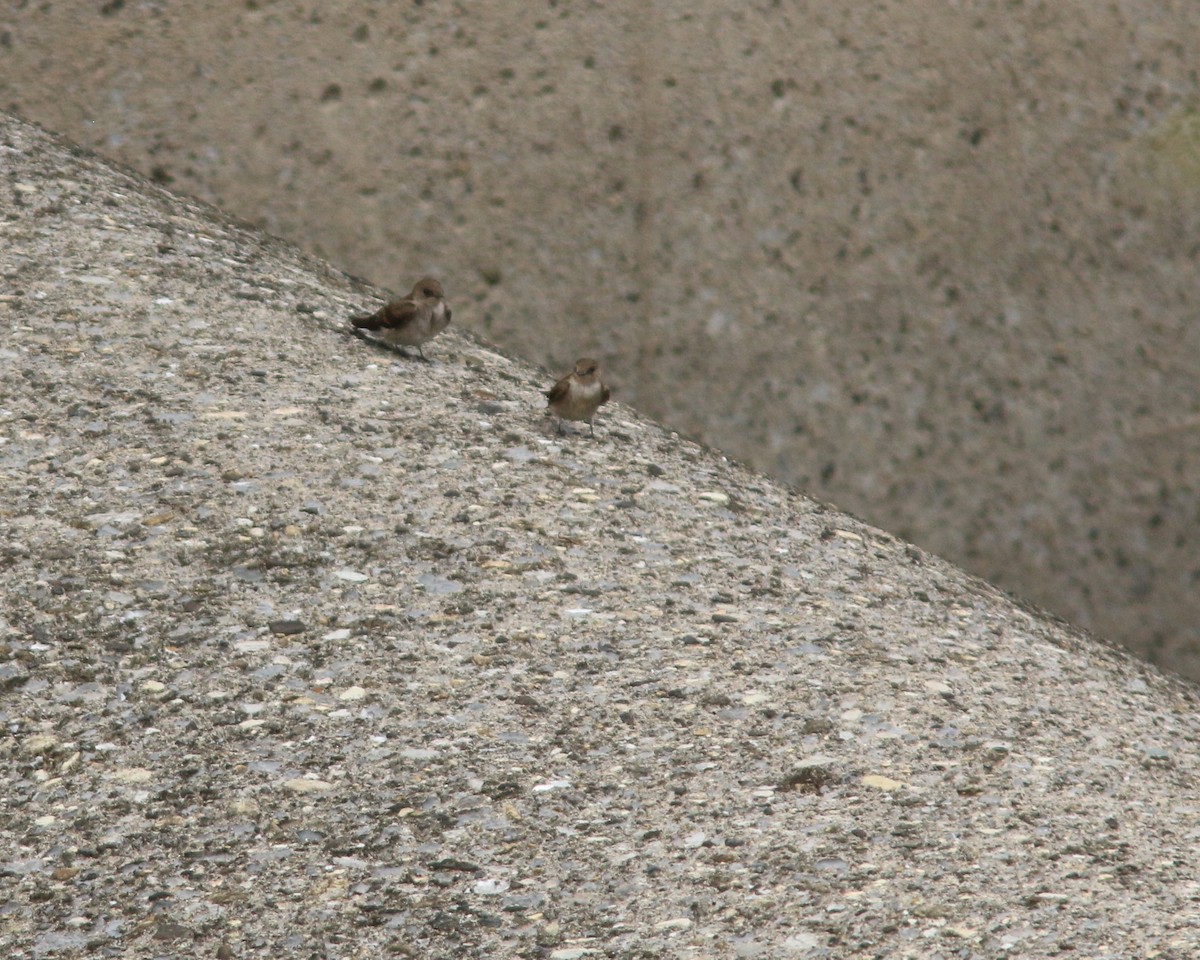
[[428, 287], [586, 367]]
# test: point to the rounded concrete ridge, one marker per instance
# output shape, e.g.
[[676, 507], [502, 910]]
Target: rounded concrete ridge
[[309, 648]]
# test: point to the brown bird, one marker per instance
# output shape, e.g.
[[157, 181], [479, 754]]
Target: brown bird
[[578, 395], [420, 316]]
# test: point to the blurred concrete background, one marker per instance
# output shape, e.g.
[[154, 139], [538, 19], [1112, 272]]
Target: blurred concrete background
[[933, 262]]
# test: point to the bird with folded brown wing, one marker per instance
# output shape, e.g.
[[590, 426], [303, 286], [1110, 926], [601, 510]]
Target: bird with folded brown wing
[[410, 322], [579, 394]]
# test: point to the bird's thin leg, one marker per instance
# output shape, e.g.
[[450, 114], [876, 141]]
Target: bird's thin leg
[[592, 427]]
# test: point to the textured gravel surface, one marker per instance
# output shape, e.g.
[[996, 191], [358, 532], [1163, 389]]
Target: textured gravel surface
[[307, 649], [933, 261]]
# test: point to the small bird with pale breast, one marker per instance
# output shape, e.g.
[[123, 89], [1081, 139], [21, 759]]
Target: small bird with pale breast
[[579, 394], [410, 322]]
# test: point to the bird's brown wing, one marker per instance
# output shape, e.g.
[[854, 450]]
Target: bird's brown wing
[[605, 393], [399, 314], [559, 390], [394, 316], [368, 321]]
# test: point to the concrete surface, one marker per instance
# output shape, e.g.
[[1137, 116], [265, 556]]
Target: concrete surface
[[933, 262], [310, 650]]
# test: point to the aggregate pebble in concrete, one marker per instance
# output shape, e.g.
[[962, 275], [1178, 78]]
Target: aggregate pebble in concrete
[[309, 649]]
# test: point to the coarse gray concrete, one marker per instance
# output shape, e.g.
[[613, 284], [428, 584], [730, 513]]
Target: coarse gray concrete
[[933, 262], [308, 649]]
